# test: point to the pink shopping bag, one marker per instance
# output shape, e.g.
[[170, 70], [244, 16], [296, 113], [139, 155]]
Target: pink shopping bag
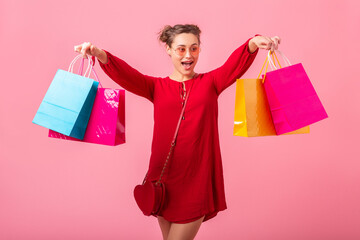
[[292, 98], [107, 120]]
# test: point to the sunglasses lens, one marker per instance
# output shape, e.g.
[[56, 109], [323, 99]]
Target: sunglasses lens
[[194, 51], [181, 51]]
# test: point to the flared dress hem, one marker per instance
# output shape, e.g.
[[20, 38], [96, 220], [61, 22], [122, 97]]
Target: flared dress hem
[[208, 216]]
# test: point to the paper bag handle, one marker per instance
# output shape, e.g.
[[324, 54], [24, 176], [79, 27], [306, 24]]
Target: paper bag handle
[[272, 65], [267, 64], [89, 68]]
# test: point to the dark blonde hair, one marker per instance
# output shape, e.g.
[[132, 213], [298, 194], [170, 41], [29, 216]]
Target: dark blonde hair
[[168, 33]]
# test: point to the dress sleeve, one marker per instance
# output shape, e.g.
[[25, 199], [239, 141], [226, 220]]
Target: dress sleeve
[[128, 77], [234, 67]]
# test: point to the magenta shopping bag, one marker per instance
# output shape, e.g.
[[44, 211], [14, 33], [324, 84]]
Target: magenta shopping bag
[[292, 98], [107, 120]]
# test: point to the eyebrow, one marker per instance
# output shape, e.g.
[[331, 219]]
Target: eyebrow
[[185, 45]]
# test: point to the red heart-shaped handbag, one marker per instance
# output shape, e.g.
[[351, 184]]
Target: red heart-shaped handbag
[[150, 197]]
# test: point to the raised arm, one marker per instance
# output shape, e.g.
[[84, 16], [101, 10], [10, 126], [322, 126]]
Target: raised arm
[[234, 67], [128, 77], [119, 71]]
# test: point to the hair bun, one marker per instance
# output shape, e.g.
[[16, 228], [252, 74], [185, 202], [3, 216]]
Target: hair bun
[[168, 33]]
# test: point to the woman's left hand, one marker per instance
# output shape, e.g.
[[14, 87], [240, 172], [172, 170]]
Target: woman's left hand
[[268, 43]]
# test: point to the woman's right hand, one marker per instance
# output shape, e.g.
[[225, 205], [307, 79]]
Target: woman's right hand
[[87, 48]]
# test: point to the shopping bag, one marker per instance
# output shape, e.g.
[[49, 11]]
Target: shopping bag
[[67, 104], [252, 114], [292, 98], [107, 120]]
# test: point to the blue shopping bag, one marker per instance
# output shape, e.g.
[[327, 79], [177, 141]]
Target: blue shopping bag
[[68, 102]]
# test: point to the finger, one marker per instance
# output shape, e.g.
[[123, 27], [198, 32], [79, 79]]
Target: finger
[[77, 48], [265, 46], [93, 50], [269, 43], [276, 40], [272, 48], [90, 49], [266, 43], [264, 40], [276, 43], [85, 49]]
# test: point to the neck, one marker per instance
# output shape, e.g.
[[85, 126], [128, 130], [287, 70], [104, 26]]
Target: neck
[[180, 77]]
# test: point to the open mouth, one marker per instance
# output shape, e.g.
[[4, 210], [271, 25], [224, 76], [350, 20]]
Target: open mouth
[[187, 65]]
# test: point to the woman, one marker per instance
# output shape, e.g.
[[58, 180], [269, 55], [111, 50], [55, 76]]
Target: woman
[[194, 176]]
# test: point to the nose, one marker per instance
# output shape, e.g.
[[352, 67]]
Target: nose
[[188, 53]]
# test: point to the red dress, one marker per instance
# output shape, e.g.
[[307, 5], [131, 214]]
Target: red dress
[[194, 175]]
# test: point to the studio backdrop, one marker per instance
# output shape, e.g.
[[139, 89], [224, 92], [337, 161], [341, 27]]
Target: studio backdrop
[[298, 186]]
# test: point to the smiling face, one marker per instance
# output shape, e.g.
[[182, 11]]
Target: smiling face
[[184, 54]]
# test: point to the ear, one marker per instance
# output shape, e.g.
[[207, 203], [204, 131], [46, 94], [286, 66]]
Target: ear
[[168, 50]]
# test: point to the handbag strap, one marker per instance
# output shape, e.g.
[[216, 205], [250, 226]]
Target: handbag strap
[[173, 143]]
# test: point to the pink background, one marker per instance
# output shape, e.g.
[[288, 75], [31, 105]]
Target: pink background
[[288, 187]]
